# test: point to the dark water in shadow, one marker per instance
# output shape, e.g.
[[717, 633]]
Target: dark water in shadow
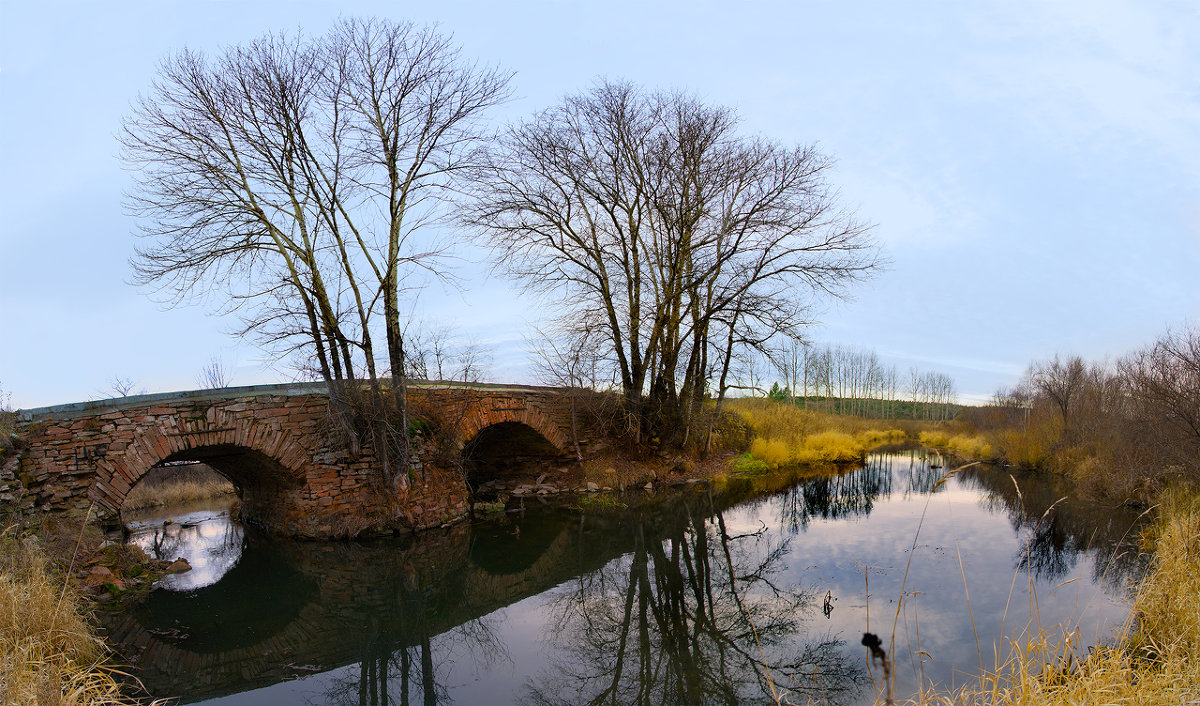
[[715, 594]]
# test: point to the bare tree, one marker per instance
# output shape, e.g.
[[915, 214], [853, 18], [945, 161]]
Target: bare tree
[[123, 386], [1163, 381], [298, 174], [213, 375], [437, 352], [677, 238], [1061, 381], [791, 360], [568, 358]]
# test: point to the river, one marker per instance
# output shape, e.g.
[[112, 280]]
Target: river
[[741, 591]]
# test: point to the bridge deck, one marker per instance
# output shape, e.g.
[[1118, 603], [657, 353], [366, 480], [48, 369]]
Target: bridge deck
[[286, 389]]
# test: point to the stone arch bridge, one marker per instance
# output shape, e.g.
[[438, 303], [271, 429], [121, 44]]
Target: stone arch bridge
[[294, 473]]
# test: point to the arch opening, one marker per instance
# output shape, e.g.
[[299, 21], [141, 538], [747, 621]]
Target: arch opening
[[259, 482], [175, 483], [505, 451]]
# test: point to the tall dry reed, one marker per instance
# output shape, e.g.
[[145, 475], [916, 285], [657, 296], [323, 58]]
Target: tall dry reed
[[49, 653], [1154, 661]]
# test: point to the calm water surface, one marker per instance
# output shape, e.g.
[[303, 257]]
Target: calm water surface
[[701, 595]]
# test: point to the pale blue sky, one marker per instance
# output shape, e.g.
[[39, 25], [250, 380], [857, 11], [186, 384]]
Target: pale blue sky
[[1032, 167]]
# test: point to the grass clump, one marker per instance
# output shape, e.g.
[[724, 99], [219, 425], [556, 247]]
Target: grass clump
[[786, 435], [746, 463], [1156, 661], [49, 653]]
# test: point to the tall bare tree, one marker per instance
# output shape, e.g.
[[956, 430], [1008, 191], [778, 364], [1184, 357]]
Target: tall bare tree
[[662, 228], [1062, 382], [296, 175]]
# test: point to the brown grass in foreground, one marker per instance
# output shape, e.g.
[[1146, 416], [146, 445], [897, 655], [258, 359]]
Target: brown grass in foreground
[[177, 484], [49, 653], [1155, 662]]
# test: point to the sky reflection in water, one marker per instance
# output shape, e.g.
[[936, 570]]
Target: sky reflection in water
[[201, 533], [694, 597]]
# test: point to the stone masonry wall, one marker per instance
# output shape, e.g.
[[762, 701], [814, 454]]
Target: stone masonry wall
[[294, 473]]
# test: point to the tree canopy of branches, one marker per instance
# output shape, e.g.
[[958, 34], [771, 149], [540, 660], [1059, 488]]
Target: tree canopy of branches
[[1163, 382], [669, 236], [293, 175]]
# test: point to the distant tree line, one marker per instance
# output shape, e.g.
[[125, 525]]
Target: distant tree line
[[853, 381], [1125, 424]]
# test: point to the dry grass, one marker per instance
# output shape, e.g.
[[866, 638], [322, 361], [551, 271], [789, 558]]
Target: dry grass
[[970, 446], [1156, 661], [786, 435], [177, 484], [49, 654]]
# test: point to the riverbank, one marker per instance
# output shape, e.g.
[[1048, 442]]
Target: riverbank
[[50, 651], [1154, 661]]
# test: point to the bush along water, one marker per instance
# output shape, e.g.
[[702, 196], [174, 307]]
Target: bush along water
[[786, 435]]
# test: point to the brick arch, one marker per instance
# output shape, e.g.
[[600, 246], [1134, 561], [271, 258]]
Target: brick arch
[[180, 437], [491, 412]]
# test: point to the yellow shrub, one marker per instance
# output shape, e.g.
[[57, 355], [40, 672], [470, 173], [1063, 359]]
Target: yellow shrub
[[48, 651], [970, 446], [830, 446], [789, 435], [1027, 448], [773, 452], [934, 438], [878, 437]]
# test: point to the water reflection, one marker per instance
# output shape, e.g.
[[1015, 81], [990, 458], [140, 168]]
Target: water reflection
[[1056, 528], [694, 615], [745, 592], [205, 534]]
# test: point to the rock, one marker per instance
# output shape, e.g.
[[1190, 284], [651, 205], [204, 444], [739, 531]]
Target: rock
[[648, 486], [179, 566], [101, 572], [592, 487]]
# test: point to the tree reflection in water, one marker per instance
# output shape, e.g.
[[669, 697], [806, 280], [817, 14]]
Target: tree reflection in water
[[410, 675], [696, 596], [1057, 527], [692, 615]]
